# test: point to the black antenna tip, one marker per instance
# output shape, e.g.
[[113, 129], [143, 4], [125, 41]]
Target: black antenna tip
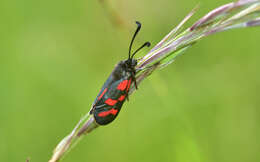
[[138, 24], [148, 44]]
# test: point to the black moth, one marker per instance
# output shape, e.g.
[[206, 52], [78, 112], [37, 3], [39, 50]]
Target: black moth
[[115, 90]]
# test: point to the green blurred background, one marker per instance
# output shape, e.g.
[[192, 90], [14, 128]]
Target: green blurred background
[[55, 56]]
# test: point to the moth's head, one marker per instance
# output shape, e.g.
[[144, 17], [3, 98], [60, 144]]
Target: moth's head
[[130, 63]]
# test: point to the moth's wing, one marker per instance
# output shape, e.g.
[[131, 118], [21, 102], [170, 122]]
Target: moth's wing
[[106, 85], [108, 107], [108, 104], [111, 94], [113, 77]]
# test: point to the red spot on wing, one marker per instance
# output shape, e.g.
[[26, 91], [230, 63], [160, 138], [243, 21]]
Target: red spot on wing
[[102, 94], [106, 113], [122, 85], [111, 102], [128, 85], [121, 98]]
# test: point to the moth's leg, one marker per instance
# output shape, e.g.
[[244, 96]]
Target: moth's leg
[[133, 76]]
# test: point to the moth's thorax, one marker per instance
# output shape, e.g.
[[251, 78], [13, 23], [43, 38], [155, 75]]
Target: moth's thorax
[[125, 68]]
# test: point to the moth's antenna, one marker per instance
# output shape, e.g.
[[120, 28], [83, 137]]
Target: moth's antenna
[[137, 30], [145, 44]]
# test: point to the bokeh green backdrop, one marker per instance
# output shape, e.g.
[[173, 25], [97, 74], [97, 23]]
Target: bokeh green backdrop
[[55, 56]]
